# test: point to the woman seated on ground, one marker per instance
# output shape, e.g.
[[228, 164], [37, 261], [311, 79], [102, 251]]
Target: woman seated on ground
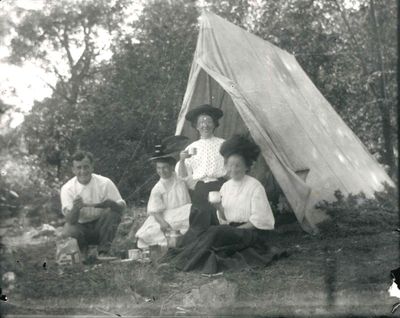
[[169, 202], [245, 215]]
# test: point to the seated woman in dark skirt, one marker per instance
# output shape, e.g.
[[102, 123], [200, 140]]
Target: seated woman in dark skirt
[[245, 215]]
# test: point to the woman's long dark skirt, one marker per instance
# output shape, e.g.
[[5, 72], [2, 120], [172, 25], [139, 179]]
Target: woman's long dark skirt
[[200, 193], [215, 248]]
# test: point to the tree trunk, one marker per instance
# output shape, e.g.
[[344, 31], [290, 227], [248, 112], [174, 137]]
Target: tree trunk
[[384, 107], [387, 131]]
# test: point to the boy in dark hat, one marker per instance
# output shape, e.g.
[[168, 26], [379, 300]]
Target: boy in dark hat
[[169, 203], [200, 163]]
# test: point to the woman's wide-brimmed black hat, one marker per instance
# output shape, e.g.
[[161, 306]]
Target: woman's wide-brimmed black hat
[[206, 109], [170, 147], [240, 145], [396, 276]]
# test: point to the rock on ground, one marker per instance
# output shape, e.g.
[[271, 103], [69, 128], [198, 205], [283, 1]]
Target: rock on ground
[[217, 293]]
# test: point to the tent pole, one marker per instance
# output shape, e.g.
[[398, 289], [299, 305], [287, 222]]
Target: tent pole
[[209, 90]]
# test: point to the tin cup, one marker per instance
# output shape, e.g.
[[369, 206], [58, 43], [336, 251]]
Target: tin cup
[[214, 197], [172, 238], [192, 151]]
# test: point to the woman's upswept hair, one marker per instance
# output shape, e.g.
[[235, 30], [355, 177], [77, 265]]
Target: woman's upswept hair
[[242, 146]]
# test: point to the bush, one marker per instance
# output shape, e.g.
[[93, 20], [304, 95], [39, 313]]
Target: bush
[[357, 214], [24, 192]]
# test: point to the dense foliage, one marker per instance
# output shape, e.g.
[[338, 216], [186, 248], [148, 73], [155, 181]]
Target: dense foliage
[[357, 214], [120, 107]]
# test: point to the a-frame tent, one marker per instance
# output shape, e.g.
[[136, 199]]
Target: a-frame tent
[[263, 91]]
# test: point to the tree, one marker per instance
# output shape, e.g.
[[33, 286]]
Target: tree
[[67, 28], [62, 39], [139, 93], [372, 34], [122, 107]]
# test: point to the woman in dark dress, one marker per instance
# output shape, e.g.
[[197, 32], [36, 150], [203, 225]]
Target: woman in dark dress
[[244, 213]]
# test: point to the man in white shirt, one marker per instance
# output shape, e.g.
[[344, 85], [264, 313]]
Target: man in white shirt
[[92, 206]]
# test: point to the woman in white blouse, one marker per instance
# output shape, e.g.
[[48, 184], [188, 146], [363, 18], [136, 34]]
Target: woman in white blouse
[[169, 203], [244, 200], [246, 218], [201, 163]]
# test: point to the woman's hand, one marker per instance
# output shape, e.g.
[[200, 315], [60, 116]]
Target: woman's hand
[[165, 227], [182, 170], [247, 226], [108, 203], [218, 206], [184, 155], [220, 209]]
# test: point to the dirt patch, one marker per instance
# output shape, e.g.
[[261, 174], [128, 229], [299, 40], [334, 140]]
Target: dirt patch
[[322, 275]]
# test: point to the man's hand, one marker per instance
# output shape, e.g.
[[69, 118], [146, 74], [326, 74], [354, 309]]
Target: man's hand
[[77, 204], [114, 206], [72, 216]]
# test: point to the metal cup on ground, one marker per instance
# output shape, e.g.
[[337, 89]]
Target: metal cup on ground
[[172, 238]]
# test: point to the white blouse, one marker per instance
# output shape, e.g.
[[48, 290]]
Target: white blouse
[[246, 201], [168, 194], [97, 190], [207, 164]]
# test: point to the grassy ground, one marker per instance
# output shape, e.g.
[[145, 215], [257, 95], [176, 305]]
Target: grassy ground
[[322, 275]]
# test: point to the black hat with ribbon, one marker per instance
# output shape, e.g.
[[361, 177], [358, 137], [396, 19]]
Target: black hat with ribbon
[[169, 147], [396, 276]]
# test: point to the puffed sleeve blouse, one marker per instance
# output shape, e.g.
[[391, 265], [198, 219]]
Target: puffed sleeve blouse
[[168, 194], [246, 201]]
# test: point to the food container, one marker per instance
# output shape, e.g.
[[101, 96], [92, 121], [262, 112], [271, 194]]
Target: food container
[[134, 254]]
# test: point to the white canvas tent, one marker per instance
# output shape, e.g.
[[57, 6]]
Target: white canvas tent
[[263, 91]]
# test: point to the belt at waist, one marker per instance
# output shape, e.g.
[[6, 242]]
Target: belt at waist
[[208, 180]]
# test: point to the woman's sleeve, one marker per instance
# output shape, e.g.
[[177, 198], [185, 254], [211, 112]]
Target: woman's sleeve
[[189, 179], [222, 191], [156, 203], [261, 214]]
